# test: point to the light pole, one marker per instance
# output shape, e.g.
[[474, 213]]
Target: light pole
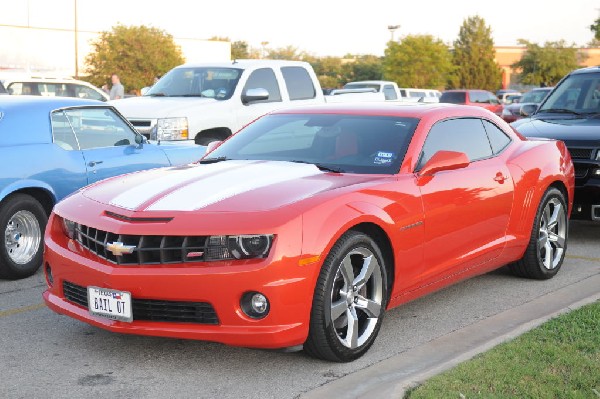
[[264, 48], [392, 29], [76, 44]]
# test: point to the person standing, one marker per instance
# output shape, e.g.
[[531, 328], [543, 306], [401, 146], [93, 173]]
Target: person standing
[[117, 91]]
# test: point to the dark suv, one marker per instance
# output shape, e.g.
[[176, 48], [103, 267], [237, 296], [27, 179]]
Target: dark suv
[[571, 113]]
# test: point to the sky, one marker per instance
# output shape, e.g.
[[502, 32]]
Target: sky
[[320, 27]]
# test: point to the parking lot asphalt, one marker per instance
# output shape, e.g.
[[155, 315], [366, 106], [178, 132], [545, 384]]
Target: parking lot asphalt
[[46, 355]]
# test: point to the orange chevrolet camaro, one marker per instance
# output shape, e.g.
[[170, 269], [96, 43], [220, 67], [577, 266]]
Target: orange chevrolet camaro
[[302, 228]]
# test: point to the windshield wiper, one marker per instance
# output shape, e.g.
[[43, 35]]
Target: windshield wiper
[[320, 166], [559, 111], [213, 160], [160, 94], [187, 95]]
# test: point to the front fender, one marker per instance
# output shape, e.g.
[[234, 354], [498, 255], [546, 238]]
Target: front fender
[[19, 185]]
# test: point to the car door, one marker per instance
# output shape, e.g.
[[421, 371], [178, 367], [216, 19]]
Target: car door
[[109, 145], [466, 211], [263, 78]]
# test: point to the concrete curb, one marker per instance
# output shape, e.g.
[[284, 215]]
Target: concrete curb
[[392, 377]]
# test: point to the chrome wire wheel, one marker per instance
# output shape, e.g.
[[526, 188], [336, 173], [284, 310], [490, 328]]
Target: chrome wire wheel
[[22, 237], [552, 234], [356, 297]]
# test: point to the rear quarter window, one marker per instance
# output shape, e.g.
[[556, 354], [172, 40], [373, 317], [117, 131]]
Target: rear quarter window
[[299, 84]]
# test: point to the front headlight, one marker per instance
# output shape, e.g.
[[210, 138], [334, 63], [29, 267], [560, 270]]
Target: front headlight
[[68, 227], [598, 155], [172, 129], [245, 246]]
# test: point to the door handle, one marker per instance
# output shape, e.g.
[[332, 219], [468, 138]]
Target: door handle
[[500, 178], [91, 164]]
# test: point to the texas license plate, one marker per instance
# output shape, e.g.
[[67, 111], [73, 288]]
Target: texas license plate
[[112, 304]]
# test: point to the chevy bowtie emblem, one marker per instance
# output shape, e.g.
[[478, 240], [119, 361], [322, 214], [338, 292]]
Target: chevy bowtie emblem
[[118, 248]]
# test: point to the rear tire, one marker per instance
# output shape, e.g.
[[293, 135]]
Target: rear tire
[[22, 223], [547, 246], [349, 300]]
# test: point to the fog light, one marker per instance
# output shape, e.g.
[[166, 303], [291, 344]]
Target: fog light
[[255, 305], [596, 172], [49, 276]]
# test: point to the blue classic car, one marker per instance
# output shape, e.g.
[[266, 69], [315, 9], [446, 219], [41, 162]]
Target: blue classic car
[[51, 147]]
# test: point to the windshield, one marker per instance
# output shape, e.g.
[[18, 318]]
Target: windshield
[[342, 143], [218, 83], [534, 96], [577, 94], [454, 97]]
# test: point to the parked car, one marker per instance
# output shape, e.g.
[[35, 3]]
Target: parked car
[[305, 226], [392, 92], [51, 147], [570, 112], [17, 84], [512, 112], [480, 98], [421, 95], [504, 97]]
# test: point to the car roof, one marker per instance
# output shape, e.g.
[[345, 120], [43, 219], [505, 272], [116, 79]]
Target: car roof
[[42, 103], [586, 70], [409, 110], [244, 64]]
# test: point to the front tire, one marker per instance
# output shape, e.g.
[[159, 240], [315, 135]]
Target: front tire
[[349, 300], [548, 242], [22, 222]]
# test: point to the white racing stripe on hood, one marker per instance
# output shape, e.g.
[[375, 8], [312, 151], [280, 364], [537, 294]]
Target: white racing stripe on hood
[[133, 197], [221, 186]]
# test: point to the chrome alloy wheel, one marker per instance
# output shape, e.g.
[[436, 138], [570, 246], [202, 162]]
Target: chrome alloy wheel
[[356, 297], [22, 237], [552, 234]]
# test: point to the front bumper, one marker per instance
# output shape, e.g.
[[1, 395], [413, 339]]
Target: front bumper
[[586, 204], [287, 285]]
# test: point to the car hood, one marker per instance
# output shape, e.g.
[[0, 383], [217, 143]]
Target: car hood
[[229, 186], [573, 131], [158, 107]]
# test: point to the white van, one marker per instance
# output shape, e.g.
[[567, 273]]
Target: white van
[[17, 84]]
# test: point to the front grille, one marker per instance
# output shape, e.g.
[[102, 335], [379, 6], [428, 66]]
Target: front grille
[[152, 309], [149, 250], [580, 171], [143, 126], [581, 153]]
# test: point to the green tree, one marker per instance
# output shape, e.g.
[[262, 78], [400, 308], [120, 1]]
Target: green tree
[[474, 57], [418, 61], [364, 67], [327, 69], [285, 53], [595, 28], [136, 53], [545, 66]]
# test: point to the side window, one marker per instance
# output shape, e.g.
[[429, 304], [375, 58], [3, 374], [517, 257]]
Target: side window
[[498, 139], [492, 99], [81, 91], [99, 127], [463, 135], [299, 84], [403, 93], [478, 97], [62, 133], [389, 92], [264, 78]]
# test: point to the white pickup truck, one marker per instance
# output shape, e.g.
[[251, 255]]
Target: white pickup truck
[[210, 101], [392, 92]]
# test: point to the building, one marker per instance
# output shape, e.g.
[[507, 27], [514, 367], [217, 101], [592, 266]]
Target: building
[[508, 55]]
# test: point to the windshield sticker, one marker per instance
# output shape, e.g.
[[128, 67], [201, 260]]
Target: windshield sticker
[[384, 158]]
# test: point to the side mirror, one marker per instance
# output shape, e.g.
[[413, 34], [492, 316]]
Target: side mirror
[[528, 109], [253, 95], [444, 160], [139, 140], [212, 145]]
